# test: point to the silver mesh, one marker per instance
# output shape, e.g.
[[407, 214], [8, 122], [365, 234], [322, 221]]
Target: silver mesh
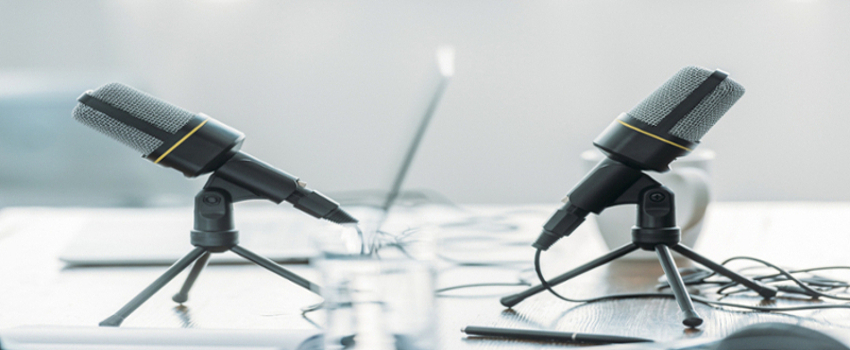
[[159, 113], [129, 136], [697, 122]]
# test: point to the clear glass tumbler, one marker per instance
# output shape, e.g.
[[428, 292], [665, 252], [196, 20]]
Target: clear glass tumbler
[[378, 289]]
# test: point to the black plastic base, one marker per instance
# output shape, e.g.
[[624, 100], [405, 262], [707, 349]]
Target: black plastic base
[[655, 230], [647, 239], [213, 233], [215, 241]]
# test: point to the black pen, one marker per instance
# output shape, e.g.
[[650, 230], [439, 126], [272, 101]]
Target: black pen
[[533, 334]]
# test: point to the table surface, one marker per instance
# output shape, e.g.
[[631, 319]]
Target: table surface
[[39, 289]]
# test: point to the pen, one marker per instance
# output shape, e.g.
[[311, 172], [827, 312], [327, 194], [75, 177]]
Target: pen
[[532, 334]]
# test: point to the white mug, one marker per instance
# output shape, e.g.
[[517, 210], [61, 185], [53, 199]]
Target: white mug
[[689, 181]]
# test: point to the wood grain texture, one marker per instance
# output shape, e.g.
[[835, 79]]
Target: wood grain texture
[[38, 289]]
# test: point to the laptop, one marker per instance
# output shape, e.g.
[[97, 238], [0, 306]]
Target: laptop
[[160, 236]]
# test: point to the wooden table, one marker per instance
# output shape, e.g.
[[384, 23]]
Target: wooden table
[[38, 289]]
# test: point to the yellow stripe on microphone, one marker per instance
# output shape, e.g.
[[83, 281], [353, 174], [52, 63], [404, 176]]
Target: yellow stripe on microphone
[[181, 140], [659, 138]]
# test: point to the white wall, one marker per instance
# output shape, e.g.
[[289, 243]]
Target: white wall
[[325, 89]]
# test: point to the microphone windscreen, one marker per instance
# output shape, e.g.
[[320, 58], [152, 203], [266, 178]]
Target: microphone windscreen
[[696, 123], [158, 113]]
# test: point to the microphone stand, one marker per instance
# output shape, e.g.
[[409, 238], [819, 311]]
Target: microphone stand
[[214, 232], [655, 230]]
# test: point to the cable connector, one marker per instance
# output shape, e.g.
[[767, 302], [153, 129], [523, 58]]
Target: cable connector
[[561, 224]]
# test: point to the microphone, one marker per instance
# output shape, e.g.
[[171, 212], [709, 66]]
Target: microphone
[[195, 144], [666, 125]]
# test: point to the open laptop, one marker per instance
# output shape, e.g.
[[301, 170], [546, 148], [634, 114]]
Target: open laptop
[[160, 236]]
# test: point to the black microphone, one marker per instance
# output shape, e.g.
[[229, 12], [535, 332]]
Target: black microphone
[[195, 144], [666, 125]]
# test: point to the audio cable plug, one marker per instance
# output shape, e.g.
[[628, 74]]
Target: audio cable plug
[[318, 205], [560, 225]]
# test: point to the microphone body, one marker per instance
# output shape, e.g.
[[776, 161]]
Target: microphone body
[[195, 144], [666, 125]]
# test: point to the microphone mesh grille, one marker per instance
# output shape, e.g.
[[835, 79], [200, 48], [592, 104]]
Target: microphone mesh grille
[[119, 131], [152, 110], [698, 121]]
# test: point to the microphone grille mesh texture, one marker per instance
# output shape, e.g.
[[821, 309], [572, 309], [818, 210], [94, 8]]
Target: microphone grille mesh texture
[[119, 131], [152, 110], [694, 125]]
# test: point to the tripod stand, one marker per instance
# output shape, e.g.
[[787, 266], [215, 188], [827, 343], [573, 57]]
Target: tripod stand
[[214, 233], [655, 230]]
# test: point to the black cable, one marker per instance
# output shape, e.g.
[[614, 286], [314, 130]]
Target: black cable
[[814, 279], [789, 289], [820, 268], [808, 290], [476, 285], [398, 241], [698, 299], [825, 284], [480, 263], [384, 239]]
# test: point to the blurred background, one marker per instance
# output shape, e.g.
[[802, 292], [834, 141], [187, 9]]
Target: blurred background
[[330, 91]]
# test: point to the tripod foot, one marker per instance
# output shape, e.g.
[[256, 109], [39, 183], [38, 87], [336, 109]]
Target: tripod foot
[[692, 319], [511, 300], [116, 319], [112, 321], [183, 295], [180, 298]]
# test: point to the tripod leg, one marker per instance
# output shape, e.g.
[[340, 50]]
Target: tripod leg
[[274, 267], [116, 319], [183, 294], [514, 299], [692, 319], [765, 291]]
